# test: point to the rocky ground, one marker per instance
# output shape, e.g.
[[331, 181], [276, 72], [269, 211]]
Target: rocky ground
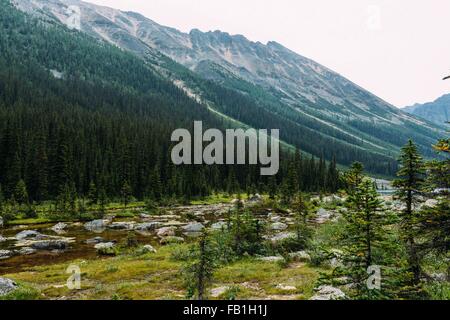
[[25, 250]]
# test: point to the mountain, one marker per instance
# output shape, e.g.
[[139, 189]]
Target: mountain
[[437, 111], [259, 85]]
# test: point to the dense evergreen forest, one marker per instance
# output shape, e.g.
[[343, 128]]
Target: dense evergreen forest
[[75, 114]]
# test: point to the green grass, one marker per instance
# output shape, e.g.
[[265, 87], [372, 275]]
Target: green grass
[[157, 276]]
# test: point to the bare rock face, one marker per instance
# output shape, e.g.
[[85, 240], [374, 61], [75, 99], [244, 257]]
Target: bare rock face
[[7, 286]]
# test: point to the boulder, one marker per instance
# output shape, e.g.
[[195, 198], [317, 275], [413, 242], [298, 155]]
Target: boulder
[[275, 219], [323, 216], [171, 240], [332, 198], [50, 245], [96, 225], [301, 256], [282, 236], [431, 203], [5, 254], [26, 251], [193, 227], [166, 232], [59, 227], [217, 292], [148, 226], [29, 234], [1, 222], [257, 198], [107, 248], [2, 239], [7, 286], [219, 225], [286, 288], [121, 226], [271, 259], [148, 249], [278, 226], [95, 240], [328, 293]]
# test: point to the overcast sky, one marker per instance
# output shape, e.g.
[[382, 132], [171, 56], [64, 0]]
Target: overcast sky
[[397, 49]]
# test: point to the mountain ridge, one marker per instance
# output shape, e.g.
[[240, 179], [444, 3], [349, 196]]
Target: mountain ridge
[[437, 111], [304, 98]]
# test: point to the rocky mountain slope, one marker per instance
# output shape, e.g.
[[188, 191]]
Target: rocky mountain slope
[[437, 111], [316, 109]]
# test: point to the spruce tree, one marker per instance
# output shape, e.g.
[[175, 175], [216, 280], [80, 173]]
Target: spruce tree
[[199, 270], [364, 238], [126, 193], [409, 186], [21, 193]]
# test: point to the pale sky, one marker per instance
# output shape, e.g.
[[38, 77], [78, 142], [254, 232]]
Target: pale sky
[[397, 49]]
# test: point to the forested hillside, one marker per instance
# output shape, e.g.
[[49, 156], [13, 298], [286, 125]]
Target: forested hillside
[[76, 113]]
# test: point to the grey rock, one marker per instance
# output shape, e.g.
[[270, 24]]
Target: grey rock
[[286, 288], [50, 245], [96, 225], [323, 216], [282, 236], [193, 227], [104, 246], [301, 256], [431, 203], [219, 225], [95, 240], [59, 227], [1, 222], [121, 226], [26, 251], [148, 249], [148, 226], [257, 198], [328, 293], [278, 226], [171, 240], [217, 292], [7, 286], [5, 254], [166, 232], [271, 259], [29, 234]]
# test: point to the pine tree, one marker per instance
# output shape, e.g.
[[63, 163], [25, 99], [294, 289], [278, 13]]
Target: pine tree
[[409, 189]]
